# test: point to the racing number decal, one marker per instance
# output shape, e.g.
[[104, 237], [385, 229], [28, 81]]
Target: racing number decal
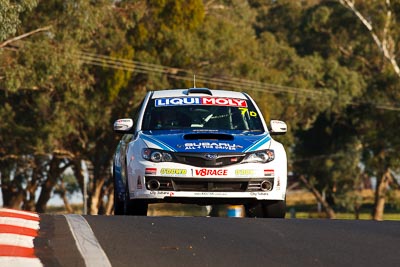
[[244, 110], [251, 113]]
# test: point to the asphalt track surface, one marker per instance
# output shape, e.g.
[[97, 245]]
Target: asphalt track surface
[[211, 241]]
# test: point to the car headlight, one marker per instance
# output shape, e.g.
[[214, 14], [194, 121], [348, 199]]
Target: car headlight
[[262, 156], [156, 155]]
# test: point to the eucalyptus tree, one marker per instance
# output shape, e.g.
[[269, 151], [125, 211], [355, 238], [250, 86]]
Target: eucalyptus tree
[[98, 29], [380, 18], [379, 52], [364, 81], [10, 12], [10, 175], [45, 87], [325, 159]]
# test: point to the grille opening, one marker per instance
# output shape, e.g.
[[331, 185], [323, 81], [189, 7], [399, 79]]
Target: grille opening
[[209, 186], [182, 184], [198, 159]]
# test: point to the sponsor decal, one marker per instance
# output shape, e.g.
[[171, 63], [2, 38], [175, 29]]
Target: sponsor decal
[[139, 183], [167, 171], [162, 193], [269, 173], [123, 120], [279, 122], [259, 194], [211, 145], [150, 171], [210, 194], [244, 172], [211, 172], [123, 124], [212, 101], [278, 183]]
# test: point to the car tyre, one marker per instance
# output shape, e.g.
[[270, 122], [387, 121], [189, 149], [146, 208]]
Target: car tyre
[[118, 203], [253, 210], [137, 207], [273, 208], [266, 209]]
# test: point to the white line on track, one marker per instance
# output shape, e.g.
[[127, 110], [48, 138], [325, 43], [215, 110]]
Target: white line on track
[[87, 243]]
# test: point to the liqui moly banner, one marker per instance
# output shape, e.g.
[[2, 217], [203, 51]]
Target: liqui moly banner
[[211, 101]]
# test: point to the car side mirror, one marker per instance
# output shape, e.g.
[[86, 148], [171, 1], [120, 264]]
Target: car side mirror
[[278, 127], [123, 125]]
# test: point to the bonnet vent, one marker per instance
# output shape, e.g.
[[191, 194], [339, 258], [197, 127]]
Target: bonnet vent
[[199, 91]]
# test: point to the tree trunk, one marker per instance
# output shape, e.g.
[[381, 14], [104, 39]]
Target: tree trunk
[[12, 199], [29, 201], [47, 188], [99, 174], [45, 195], [380, 195], [328, 210], [64, 197], [95, 196], [13, 193], [383, 40], [107, 206], [110, 202], [79, 174]]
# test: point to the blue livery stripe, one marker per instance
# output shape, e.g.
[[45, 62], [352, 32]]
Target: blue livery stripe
[[258, 144], [163, 146]]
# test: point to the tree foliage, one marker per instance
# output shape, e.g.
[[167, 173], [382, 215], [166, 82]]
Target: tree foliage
[[10, 12]]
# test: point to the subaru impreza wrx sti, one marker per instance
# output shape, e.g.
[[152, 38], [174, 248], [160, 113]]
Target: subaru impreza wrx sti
[[199, 146]]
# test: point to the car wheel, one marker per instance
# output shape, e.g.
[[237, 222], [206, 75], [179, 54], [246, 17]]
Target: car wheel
[[118, 203], [253, 210], [136, 207], [273, 209]]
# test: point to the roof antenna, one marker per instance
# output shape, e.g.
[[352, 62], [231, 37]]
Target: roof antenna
[[194, 80]]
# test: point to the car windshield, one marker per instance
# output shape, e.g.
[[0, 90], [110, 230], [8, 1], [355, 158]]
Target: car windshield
[[166, 114]]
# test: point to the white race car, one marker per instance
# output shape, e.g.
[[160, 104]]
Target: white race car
[[199, 146]]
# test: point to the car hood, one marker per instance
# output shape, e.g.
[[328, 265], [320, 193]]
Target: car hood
[[206, 141]]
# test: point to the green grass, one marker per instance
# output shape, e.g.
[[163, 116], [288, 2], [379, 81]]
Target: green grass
[[305, 211], [344, 216]]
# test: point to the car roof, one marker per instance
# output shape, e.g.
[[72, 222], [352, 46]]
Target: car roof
[[197, 92]]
